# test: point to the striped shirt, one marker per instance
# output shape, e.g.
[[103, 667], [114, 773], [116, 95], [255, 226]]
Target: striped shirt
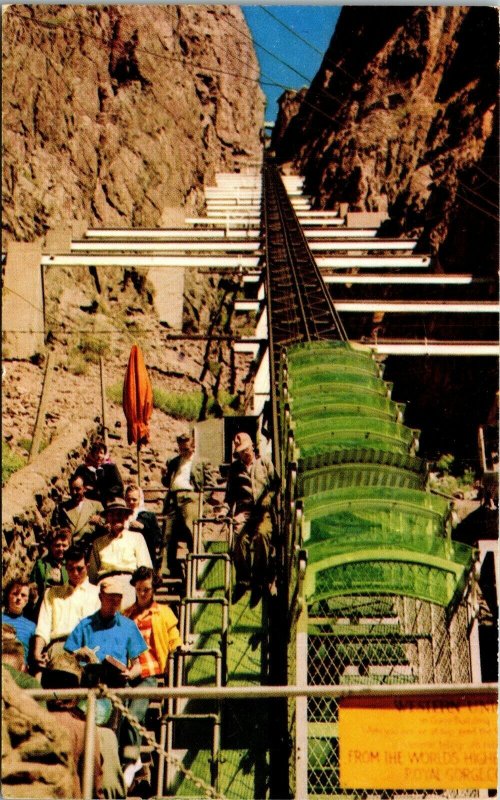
[[158, 626], [149, 661]]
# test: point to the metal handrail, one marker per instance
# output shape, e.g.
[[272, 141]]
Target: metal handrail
[[252, 692], [244, 692]]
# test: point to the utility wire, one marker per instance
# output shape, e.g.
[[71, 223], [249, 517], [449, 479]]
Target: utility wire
[[407, 97], [291, 30], [254, 41], [138, 49], [108, 42]]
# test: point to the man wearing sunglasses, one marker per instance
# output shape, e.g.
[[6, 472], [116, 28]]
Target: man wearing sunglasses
[[63, 607]]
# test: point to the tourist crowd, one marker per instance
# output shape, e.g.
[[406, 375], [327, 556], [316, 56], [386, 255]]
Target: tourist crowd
[[87, 614]]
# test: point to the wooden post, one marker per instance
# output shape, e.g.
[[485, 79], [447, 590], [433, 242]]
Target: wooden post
[[40, 417], [103, 402], [138, 463], [90, 736]]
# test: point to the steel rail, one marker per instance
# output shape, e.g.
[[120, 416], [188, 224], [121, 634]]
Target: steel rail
[[301, 306], [253, 692]]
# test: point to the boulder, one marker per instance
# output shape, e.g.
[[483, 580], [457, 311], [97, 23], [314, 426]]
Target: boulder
[[36, 757]]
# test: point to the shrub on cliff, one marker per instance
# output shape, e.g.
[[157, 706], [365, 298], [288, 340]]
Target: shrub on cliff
[[11, 462]]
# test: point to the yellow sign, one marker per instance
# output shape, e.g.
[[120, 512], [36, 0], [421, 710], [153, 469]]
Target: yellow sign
[[418, 742]]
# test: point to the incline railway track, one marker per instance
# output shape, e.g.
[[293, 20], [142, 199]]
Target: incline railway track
[[367, 565], [300, 307]]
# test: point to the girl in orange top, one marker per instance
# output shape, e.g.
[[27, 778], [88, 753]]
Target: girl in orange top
[[158, 625]]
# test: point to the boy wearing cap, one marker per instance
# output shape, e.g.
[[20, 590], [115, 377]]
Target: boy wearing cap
[[251, 484], [108, 633], [185, 477], [119, 552]]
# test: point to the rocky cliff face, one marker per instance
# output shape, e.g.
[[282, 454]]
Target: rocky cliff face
[[117, 114], [288, 107], [403, 116], [37, 758]]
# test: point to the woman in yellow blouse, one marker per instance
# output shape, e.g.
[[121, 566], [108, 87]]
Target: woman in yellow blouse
[[158, 625]]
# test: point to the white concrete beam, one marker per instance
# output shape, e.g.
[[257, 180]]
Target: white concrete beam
[[233, 223], [165, 247], [246, 305], [340, 233], [431, 348], [411, 307], [124, 234], [323, 221], [230, 214], [143, 234], [247, 347], [362, 244], [213, 262], [423, 280], [233, 202], [373, 262], [310, 214], [240, 191]]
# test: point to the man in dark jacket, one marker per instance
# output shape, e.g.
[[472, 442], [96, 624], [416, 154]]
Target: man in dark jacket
[[80, 514], [185, 477], [101, 477], [251, 485]]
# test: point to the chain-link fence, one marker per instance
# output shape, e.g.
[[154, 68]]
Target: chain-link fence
[[375, 641]]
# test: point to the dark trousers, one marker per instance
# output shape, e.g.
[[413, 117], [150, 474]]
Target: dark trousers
[[130, 738], [180, 518], [252, 547]]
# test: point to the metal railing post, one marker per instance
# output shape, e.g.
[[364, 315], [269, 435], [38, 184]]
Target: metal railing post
[[90, 734], [214, 766]]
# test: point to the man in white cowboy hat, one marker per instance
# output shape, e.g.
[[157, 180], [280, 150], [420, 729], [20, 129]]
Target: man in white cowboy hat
[[251, 484], [119, 552]]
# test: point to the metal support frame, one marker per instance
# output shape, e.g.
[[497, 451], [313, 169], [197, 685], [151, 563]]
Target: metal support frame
[[485, 546], [215, 653], [186, 614], [90, 733], [215, 753], [193, 559]]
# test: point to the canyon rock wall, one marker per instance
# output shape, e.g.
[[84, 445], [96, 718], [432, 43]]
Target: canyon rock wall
[[36, 753], [115, 115], [403, 116]]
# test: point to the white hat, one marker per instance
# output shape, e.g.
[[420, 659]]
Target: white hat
[[111, 585]]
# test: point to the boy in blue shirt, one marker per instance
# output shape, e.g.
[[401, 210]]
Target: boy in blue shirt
[[108, 633], [16, 596]]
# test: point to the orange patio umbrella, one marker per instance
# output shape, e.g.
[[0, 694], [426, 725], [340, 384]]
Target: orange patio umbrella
[[137, 401]]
